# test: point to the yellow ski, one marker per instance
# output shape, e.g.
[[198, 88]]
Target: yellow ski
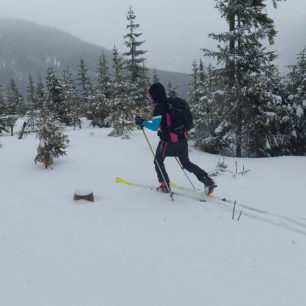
[[189, 195]]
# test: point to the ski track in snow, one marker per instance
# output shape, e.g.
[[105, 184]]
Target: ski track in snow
[[277, 217], [259, 216], [279, 220]]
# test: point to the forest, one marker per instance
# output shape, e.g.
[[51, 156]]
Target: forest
[[241, 104]]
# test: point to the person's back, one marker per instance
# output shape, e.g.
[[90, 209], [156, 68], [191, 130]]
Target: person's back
[[180, 114]]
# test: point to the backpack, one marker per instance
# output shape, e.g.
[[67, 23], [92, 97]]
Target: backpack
[[180, 114]]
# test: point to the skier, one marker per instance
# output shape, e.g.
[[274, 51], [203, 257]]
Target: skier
[[170, 144]]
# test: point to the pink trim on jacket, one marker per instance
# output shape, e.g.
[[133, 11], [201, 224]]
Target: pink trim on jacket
[[173, 137]]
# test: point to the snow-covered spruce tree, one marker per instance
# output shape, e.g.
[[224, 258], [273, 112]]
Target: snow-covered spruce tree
[[72, 102], [297, 103], [136, 67], [135, 59], [193, 85], [155, 78], [50, 132], [104, 84], [31, 98], [247, 105], [32, 106], [57, 106], [14, 105], [277, 117], [3, 113], [121, 117], [204, 99], [86, 90], [99, 108], [197, 90], [171, 90], [39, 93]]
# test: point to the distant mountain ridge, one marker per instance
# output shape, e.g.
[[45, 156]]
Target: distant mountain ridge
[[28, 48]]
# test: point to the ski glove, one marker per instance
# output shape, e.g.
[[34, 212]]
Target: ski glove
[[139, 121]]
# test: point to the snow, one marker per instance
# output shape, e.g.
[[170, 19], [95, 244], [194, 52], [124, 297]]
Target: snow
[[270, 114], [136, 247], [83, 191], [53, 61], [300, 111]]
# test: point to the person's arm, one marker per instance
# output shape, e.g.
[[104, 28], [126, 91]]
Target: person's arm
[[154, 124]]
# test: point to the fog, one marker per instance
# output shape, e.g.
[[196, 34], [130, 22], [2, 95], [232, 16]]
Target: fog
[[174, 31]]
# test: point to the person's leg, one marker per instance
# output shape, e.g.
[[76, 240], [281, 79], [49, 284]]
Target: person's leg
[[182, 154], [201, 175], [180, 149], [159, 162]]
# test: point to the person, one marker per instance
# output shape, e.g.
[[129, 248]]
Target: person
[[170, 144]]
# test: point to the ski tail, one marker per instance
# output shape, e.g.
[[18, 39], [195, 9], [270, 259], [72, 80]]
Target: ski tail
[[181, 187], [209, 192]]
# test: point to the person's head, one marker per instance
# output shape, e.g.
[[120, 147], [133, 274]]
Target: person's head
[[156, 92]]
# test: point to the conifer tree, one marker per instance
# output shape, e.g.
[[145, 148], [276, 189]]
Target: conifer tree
[[246, 93], [31, 99], [50, 132], [135, 66], [297, 102], [104, 85], [193, 84], [135, 60], [194, 98], [32, 105], [121, 117], [155, 78], [39, 93], [171, 90], [203, 102], [85, 87], [14, 105], [3, 113], [72, 102], [99, 108], [56, 103]]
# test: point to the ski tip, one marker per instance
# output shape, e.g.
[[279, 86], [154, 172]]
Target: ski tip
[[119, 180]]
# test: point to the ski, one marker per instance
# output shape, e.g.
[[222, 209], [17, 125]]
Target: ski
[[197, 197], [195, 191]]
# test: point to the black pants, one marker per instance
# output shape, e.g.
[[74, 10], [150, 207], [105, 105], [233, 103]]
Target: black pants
[[176, 149]]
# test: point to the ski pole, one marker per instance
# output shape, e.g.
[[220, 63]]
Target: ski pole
[[180, 164], [148, 142], [157, 163]]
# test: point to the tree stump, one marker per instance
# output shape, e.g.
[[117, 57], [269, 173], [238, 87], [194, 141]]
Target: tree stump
[[82, 194]]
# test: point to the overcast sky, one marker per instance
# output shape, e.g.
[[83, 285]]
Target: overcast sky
[[174, 30]]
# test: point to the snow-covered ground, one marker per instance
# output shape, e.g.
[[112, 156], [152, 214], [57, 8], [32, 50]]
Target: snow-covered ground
[[135, 247]]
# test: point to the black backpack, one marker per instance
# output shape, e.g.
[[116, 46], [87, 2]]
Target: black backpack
[[180, 114]]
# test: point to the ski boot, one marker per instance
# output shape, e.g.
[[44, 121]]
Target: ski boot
[[209, 185], [163, 187]]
